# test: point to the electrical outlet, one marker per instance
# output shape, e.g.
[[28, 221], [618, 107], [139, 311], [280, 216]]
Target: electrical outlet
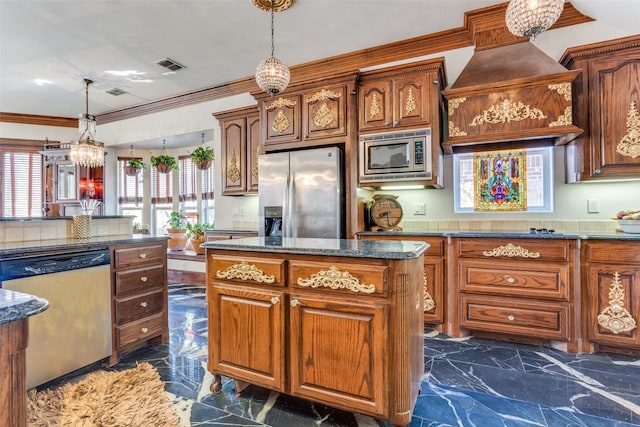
[[420, 208], [593, 206], [237, 212]]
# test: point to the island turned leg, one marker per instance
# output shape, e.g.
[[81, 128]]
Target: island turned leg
[[216, 385]]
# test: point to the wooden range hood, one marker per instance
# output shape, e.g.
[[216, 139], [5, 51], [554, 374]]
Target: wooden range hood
[[510, 94]]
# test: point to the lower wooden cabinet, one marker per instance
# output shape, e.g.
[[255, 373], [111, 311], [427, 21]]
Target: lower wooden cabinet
[[345, 332], [139, 295], [518, 287], [612, 275], [434, 275]]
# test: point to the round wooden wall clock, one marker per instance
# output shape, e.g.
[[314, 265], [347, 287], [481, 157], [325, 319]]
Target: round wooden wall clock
[[385, 213]]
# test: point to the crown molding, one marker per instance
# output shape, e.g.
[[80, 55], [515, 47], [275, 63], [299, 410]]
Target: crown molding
[[33, 119]]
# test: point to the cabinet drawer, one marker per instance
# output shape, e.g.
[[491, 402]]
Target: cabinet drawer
[[367, 279], [248, 269], [140, 330], [138, 279], [511, 278], [126, 257], [613, 251], [512, 316], [139, 306], [515, 249]]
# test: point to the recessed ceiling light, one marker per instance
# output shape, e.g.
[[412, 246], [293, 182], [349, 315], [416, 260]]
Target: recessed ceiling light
[[42, 82]]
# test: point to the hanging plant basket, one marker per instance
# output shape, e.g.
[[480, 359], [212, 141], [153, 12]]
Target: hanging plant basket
[[164, 167], [130, 170], [202, 164]]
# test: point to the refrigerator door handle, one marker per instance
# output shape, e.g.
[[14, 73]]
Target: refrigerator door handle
[[286, 218], [293, 218]]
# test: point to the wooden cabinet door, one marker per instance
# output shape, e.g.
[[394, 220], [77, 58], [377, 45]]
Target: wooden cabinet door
[[433, 290], [375, 105], [345, 369], [614, 304], [246, 334], [234, 162], [282, 119], [615, 114], [325, 112], [253, 151], [412, 98]]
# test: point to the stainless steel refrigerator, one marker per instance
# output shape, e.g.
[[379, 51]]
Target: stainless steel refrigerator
[[301, 194]]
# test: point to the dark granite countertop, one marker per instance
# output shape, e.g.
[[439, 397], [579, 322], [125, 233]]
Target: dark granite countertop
[[509, 234], [17, 305], [396, 249], [13, 249]]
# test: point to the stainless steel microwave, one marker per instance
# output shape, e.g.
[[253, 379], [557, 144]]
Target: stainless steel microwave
[[395, 156]]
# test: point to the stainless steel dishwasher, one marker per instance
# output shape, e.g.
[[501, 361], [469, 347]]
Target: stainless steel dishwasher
[[76, 329]]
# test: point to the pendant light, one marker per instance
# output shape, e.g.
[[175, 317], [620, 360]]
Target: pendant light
[[529, 18], [87, 151], [272, 75]]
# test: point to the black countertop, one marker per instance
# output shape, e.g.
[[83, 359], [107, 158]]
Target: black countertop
[[509, 234], [13, 249], [397, 249]]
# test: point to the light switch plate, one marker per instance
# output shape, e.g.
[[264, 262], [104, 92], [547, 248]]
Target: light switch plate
[[593, 206], [420, 208]]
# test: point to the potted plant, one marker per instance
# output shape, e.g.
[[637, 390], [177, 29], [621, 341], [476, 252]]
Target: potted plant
[[134, 166], [195, 233], [176, 227], [202, 157], [164, 163]]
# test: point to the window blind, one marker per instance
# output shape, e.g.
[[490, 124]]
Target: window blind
[[21, 183], [130, 188], [161, 187]]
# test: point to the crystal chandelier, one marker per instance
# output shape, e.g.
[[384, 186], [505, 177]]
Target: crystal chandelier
[[528, 18], [87, 151], [271, 74]]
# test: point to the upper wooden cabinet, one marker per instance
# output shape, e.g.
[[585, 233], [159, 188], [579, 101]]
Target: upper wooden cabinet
[[240, 149], [310, 114], [400, 97], [607, 107]]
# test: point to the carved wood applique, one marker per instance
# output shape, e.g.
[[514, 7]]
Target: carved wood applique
[[333, 278], [429, 303], [629, 145], [280, 122], [233, 171], [453, 129], [507, 111], [616, 318], [374, 109], [510, 250], [325, 115], [245, 271]]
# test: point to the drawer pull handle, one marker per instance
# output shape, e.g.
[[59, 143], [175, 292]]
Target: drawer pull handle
[[145, 330], [510, 317], [143, 255], [509, 279], [294, 303], [275, 300], [143, 304], [144, 279]]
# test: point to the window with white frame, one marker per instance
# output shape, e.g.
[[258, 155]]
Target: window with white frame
[[21, 180], [187, 191], [208, 200], [538, 175], [130, 191], [161, 199]]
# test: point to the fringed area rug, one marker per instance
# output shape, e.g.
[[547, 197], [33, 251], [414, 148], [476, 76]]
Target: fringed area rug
[[131, 398]]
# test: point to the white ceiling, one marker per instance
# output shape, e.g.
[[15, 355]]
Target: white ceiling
[[65, 41]]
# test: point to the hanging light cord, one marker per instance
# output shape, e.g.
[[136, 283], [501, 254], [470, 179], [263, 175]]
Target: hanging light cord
[[272, 37]]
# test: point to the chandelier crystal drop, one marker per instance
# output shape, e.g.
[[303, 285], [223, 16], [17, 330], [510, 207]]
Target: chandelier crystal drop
[[86, 151], [529, 18], [272, 75]]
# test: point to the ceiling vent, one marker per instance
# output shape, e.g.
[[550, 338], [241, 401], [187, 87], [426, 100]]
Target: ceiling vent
[[116, 91], [170, 64]]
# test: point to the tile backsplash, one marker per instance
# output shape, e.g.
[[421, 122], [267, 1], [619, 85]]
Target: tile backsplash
[[48, 229], [561, 226]]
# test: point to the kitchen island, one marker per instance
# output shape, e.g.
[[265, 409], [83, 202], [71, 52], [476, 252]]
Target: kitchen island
[[337, 322], [15, 310]]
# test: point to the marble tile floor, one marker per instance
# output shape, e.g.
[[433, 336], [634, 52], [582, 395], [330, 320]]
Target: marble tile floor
[[467, 382]]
